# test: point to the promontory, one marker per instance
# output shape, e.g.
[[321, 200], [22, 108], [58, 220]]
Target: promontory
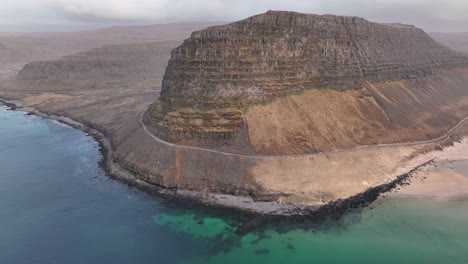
[[295, 108]]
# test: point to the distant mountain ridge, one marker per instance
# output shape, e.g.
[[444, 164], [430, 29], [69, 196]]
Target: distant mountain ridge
[[27, 47], [457, 41]]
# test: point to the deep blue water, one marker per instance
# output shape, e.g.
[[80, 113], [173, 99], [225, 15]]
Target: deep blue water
[[58, 206]]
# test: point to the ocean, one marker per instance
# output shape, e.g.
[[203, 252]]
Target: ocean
[[58, 206]]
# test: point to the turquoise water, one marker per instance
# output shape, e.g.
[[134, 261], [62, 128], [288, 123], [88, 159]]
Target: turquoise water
[[57, 206]]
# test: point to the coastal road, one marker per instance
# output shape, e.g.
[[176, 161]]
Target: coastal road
[[264, 157]]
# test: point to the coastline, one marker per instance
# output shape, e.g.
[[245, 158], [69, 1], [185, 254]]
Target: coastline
[[444, 180], [245, 205], [258, 210]]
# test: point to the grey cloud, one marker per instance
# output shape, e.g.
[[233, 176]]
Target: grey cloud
[[432, 15]]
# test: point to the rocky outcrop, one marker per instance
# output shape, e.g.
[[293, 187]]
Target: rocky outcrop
[[277, 54], [191, 123]]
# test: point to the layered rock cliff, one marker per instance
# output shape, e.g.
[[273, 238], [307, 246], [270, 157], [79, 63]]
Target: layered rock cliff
[[217, 77]]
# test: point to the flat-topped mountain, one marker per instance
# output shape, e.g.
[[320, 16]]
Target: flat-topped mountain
[[291, 83]]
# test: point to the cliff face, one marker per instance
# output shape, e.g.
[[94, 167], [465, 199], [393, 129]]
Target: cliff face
[[225, 69]]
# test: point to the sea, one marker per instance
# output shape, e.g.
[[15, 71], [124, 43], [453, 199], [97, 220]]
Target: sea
[[57, 205]]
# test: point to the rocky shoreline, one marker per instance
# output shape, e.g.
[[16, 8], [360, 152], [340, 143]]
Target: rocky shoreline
[[258, 212], [115, 171]]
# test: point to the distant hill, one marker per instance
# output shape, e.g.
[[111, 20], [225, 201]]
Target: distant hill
[[27, 47], [105, 66], [457, 41]]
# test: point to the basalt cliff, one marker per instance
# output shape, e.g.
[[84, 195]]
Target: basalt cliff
[[276, 104]]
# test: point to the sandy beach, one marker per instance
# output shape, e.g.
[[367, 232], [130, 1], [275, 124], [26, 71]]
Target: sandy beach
[[445, 179]]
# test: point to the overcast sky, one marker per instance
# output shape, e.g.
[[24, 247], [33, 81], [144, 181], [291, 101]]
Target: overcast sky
[[64, 15]]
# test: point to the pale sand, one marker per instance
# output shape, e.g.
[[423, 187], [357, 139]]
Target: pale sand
[[47, 97], [446, 179]]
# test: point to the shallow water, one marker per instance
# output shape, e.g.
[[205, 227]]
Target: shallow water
[[57, 206]]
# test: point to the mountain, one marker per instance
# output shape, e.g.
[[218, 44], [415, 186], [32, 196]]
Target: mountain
[[322, 82], [287, 106]]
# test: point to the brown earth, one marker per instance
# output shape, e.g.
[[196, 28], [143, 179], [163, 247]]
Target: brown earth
[[390, 112]]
